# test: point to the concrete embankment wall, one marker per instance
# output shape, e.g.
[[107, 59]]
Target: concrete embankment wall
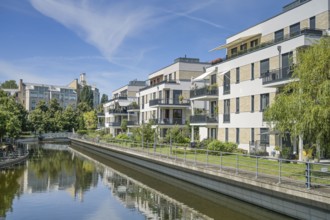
[[297, 203]]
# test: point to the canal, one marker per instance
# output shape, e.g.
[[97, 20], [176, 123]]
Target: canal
[[61, 182]]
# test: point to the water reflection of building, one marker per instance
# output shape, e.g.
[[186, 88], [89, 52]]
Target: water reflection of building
[[135, 195]]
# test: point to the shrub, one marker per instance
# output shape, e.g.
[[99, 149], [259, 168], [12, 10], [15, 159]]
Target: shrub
[[82, 132], [204, 143], [216, 145], [122, 136]]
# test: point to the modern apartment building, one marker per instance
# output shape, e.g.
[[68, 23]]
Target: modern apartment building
[[121, 107], [31, 93], [165, 101], [258, 63]]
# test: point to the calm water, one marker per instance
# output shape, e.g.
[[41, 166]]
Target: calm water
[[59, 182]]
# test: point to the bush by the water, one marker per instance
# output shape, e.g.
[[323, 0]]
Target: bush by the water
[[216, 145]]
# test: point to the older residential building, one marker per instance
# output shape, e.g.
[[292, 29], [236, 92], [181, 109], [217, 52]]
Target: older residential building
[[165, 101], [259, 61], [120, 107], [31, 93]]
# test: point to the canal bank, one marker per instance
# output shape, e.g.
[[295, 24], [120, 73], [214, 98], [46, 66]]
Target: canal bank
[[285, 199]]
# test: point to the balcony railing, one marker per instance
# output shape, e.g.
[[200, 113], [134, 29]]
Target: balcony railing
[[157, 84], [133, 107], [132, 123], [154, 102], [226, 118], [203, 119], [115, 124], [277, 75], [306, 31], [117, 111], [119, 98], [168, 121], [205, 91]]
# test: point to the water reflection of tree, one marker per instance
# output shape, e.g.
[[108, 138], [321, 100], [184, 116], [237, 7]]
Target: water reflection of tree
[[55, 165], [9, 188]]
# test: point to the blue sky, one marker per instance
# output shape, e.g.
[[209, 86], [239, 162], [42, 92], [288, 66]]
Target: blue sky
[[113, 42]]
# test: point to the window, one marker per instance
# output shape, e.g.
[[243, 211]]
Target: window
[[252, 103], [237, 75], [234, 51], [286, 63], [177, 116], [165, 78], [174, 75], [295, 29], [243, 47], [279, 35], [237, 135], [264, 101], [226, 110], [213, 79], [264, 136], [312, 23], [254, 43], [170, 77], [226, 134], [252, 71], [264, 67], [226, 83], [237, 105], [252, 135]]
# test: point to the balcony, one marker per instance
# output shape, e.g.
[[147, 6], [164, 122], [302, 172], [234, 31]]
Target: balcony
[[203, 119], [168, 121], [157, 84], [118, 98], [114, 124], [133, 108], [132, 123], [118, 111], [207, 91], [169, 102], [277, 75], [306, 32]]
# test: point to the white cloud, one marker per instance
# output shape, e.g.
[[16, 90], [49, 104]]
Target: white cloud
[[105, 28]]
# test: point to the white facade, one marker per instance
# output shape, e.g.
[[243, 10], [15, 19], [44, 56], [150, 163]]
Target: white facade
[[243, 91]]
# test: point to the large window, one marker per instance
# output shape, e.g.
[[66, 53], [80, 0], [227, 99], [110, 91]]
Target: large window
[[264, 67], [264, 136], [226, 135], [233, 51], [279, 35], [264, 101], [226, 83], [254, 43], [295, 29], [176, 96], [237, 75], [226, 110], [286, 62], [312, 23], [177, 116], [243, 47], [213, 79]]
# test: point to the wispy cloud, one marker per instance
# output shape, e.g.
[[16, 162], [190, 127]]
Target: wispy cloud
[[105, 28]]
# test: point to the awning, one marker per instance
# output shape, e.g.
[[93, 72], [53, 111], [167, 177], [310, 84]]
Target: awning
[[204, 75], [235, 42]]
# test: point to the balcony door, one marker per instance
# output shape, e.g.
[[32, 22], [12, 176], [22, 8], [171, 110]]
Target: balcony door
[[177, 116], [167, 96], [176, 95]]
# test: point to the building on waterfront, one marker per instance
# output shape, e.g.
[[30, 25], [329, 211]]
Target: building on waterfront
[[258, 63], [165, 101], [12, 92], [119, 108], [79, 84], [31, 93]]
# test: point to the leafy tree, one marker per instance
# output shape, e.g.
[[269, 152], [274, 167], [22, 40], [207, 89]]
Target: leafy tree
[[178, 135], [9, 84], [10, 124], [86, 95], [39, 119], [90, 120], [104, 98], [145, 132], [303, 107], [123, 125], [69, 119]]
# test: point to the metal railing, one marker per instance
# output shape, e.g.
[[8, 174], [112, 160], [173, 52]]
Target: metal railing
[[277, 75], [270, 170], [166, 101], [205, 91], [168, 121], [209, 118]]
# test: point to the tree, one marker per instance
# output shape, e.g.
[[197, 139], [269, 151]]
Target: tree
[[145, 132], [38, 118], [10, 124], [9, 84], [69, 119], [86, 95], [177, 135], [303, 107], [104, 99], [123, 125], [90, 120]]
